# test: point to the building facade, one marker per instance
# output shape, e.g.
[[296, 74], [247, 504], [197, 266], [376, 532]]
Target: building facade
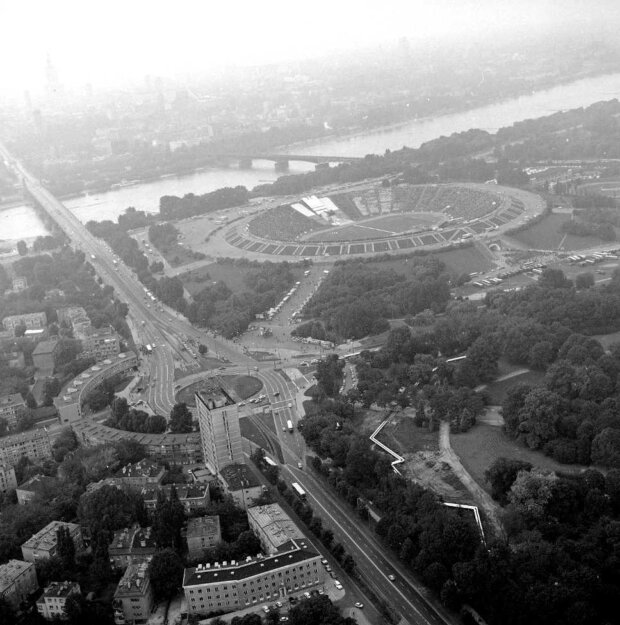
[[11, 408], [8, 481], [133, 599], [18, 580], [44, 544], [71, 397], [229, 587], [34, 444], [220, 434], [51, 604], [274, 528], [202, 533], [172, 448], [98, 343], [30, 320]]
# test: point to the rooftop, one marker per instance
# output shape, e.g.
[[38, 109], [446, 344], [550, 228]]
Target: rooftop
[[11, 400], [133, 539], [38, 484], [184, 491], [144, 469], [238, 476], [28, 435], [46, 538], [275, 524], [60, 589], [203, 526], [45, 347], [134, 581], [10, 570], [237, 571]]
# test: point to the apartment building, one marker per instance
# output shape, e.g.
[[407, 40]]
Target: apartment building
[[11, 408], [18, 580], [274, 528], [228, 587], [30, 320], [51, 604], [202, 533], [132, 545], [34, 444], [44, 544], [8, 481], [133, 598]]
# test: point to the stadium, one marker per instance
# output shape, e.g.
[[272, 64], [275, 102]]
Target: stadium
[[374, 219]]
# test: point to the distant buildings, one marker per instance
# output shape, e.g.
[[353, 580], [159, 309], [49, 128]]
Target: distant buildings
[[241, 484], [51, 604], [33, 444], [30, 320], [18, 580], [44, 543], [131, 545], [133, 599], [44, 357], [202, 533], [274, 528], [8, 481], [233, 586], [11, 408], [220, 434], [34, 487]]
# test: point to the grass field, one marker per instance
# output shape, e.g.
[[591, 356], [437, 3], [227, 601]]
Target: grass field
[[383, 226], [196, 280], [483, 444], [466, 260], [409, 438], [497, 390], [547, 235], [607, 339]]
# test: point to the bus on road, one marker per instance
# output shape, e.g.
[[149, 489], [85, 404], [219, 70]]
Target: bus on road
[[289, 425], [299, 491]]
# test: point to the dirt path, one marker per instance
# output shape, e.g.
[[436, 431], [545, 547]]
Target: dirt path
[[481, 497]]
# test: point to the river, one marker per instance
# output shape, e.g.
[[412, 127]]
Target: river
[[146, 196]]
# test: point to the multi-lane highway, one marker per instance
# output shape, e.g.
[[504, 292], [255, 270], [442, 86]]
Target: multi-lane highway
[[165, 330]]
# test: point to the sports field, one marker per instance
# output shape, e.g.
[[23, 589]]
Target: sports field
[[383, 226], [547, 235]]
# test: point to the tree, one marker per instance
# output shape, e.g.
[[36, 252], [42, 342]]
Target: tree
[[22, 248], [66, 548], [502, 474], [168, 520], [166, 574], [31, 402], [107, 508], [180, 418], [584, 280], [7, 614], [202, 349], [531, 491], [606, 448]]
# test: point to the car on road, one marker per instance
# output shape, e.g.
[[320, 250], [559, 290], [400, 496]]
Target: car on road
[[283, 619], [266, 609], [324, 561], [279, 604], [307, 595], [300, 465], [290, 405], [359, 605], [276, 393], [391, 578], [337, 584]]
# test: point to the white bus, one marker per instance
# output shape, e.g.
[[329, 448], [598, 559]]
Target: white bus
[[299, 491]]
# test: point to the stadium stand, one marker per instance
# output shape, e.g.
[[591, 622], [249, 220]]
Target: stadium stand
[[283, 223]]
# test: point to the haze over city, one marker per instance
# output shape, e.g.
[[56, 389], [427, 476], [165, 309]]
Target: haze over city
[[115, 42]]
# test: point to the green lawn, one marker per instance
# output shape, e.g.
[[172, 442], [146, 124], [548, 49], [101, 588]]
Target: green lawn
[[239, 387], [497, 390], [465, 260], [483, 444], [242, 386], [547, 235], [408, 437]]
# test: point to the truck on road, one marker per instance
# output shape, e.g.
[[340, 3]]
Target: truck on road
[[289, 425]]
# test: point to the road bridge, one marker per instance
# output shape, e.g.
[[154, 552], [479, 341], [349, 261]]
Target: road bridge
[[282, 160]]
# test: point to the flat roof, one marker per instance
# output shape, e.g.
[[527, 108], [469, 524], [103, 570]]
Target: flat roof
[[11, 570], [238, 477], [60, 589], [207, 574], [277, 526], [46, 537], [135, 581], [133, 539]]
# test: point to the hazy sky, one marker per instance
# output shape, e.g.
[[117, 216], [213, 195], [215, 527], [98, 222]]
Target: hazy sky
[[106, 42]]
